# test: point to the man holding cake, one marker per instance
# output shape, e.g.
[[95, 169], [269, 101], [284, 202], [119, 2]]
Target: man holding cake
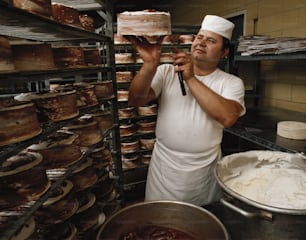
[[189, 127]]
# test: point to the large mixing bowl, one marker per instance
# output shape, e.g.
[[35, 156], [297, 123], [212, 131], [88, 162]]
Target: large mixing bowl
[[188, 218]]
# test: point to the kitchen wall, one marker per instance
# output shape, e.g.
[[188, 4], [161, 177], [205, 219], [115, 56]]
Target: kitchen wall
[[283, 84]]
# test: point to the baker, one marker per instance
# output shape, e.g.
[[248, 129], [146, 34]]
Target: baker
[[189, 127]]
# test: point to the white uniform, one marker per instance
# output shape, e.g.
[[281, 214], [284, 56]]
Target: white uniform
[[187, 139]]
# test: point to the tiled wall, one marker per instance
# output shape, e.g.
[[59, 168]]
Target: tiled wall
[[283, 83]]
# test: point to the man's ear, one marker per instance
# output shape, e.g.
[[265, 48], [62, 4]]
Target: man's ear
[[225, 52]]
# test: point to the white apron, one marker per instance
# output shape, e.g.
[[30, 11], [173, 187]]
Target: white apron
[[182, 177]]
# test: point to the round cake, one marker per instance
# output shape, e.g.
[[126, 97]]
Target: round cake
[[129, 145], [68, 56], [22, 179], [126, 112], [87, 22], [124, 76], [18, 121], [124, 58], [85, 92], [29, 57], [146, 126], [166, 57], [39, 7], [104, 118], [147, 142], [6, 56], [53, 106], [104, 89], [146, 158], [88, 213], [186, 38], [147, 110], [292, 130], [144, 23], [59, 150], [92, 57], [60, 206], [126, 129], [66, 15], [122, 95], [87, 129], [130, 160], [101, 156], [84, 176]]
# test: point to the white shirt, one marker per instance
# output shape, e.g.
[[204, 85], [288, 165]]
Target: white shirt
[[187, 139]]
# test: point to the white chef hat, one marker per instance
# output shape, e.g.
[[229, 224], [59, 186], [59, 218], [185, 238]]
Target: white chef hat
[[218, 25]]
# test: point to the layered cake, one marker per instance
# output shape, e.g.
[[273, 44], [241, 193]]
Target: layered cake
[[53, 106], [6, 57], [104, 118], [147, 110], [146, 126], [92, 57], [87, 22], [130, 160], [85, 92], [166, 57], [124, 58], [186, 38], [84, 176], [147, 142], [146, 158], [101, 156], [28, 57], [88, 213], [66, 15], [129, 145], [126, 129], [68, 56], [87, 129], [18, 121], [126, 112], [118, 39], [59, 150], [39, 7], [103, 89], [60, 206], [144, 23], [124, 76], [22, 179], [122, 95]]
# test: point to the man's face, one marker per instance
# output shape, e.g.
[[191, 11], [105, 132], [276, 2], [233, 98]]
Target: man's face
[[207, 47]]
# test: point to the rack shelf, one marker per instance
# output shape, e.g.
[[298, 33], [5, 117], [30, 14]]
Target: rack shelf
[[278, 57], [259, 126], [15, 22]]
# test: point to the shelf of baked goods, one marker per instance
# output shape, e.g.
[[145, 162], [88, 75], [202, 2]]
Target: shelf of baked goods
[[71, 142], [29, 117], [42, 25], [261, 126], [74, 187]]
